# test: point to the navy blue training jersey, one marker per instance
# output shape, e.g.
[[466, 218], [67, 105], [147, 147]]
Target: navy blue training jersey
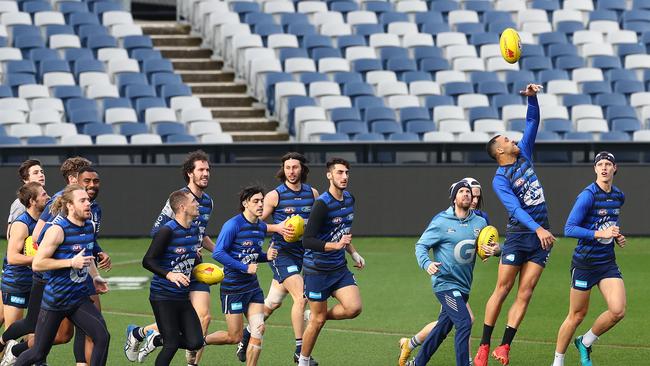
[[339, 222], [482, 214], [180, 256], [238, 245], [17, 278], [291, 203], [96, 218], [46, 215], [205, 210], [66, 287], [594, 210]]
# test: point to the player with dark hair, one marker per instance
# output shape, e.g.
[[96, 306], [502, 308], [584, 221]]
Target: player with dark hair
[[239, 249], [594, 221], [327, 237], [528, 242], [17, 265], [292, 197], [62, 253], [451, 235], [196, 173], [172, 255], [29, 171]]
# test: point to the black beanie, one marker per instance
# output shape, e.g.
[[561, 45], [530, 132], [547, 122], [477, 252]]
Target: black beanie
[[453, 190]]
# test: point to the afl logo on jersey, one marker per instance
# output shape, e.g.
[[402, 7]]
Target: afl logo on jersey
[[602, 212], [247, 243], [179, 250], [76, 248], [350, 217], [337, 220], [519, 182], [289, 210]]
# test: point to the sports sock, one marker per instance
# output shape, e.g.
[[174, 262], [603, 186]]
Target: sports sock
[[138, 333], [303, 360], [558, 360], [157, 341], [414, 342], [508, 335], [589, 338], [298, 345], [247, 334], [19, 348], [487, 334]]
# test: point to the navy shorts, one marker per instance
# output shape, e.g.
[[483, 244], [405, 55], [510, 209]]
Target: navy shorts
[[198, 286], [521, 248], [285, 266], [319, 287], [238, 303], [584, 279], [17, 300]]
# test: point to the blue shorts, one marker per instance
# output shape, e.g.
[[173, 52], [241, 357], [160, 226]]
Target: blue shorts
[[521, 248], [238, 303], [198, 286], [17, 300], [285, 266], [584, 279], [319, 287]]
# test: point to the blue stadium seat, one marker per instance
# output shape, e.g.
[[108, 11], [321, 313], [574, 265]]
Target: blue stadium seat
[[482, 113], [96, 129], [41, 140], [301, 30], [369, 137], [325, 52], [409, 114], [74, 54], [287, 19], [547, 75], [374, 114], [603, 14], [16, 80], [73, 104], [478, 6], [615, 136], [494, 16], [433, 101], [625, 49], [124, 103], [606, 62], [559, 126], [180, 138], [26, 43], [286, 53], [518, 76], [500, 100], [256, 18], [423, 52], [130, 129], [615, 5], [628, 125], [444, 6], [532, 50], [91, 30], [385, 127], [401, 65], [243, 7], [614, 75], [153, 65], [569, 62], [478, 77], [392, 16], [366, 64], [53, 66], [83, 116], [40, 54], [562, 49], [141, 104], [169, 128], [25, 30], [294, 102], [491, 88], [434, 28], [620, 111], [352, 127], [548, 5], [36, 6], [628, 86], [345, 114], [344, 42], [134, 91], [9, 140], [136, 42], [78, 19], [569, 27], [312, 76], [536, 64], [344, 6], [480, 39], [20, 66], [368, 101], [130, 78], [346, 77], [102, 7], [596, 87], [334, 137], [357, 89], [549, 39], [390, 52], [499, 27], [411, 76], [570, 100], [367, 29], [273, 78], [158, 79], [87, 65], [471, 29], [457, 88], [95, 42], [428, 17], [547, 136], [169, 91], [518, 124], [420, 127], [266, 30], [70, 7], [608, 99], [434, 65], [403, 136], [54, 29], [378, 6], [315, 41], [5, 91], [66, 91], [142, 54]]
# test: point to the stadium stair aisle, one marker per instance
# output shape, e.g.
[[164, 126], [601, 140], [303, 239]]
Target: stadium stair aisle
[[219, 92]]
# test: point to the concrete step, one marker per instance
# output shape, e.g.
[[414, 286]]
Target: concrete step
[[225, 100], [203, 76], [196, 64], [175, 40], [237, 112], [185, 52], [259, 136], [208, 88], [168, 28], [247, 124]]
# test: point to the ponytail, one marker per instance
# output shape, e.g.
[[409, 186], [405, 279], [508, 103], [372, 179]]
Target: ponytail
[[59, 206]]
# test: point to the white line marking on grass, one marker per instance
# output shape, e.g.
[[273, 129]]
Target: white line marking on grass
[[390, 334]]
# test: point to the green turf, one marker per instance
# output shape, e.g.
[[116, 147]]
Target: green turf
[[398, 301]]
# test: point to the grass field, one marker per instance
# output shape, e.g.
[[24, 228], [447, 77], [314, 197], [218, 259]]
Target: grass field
[[398, 301]]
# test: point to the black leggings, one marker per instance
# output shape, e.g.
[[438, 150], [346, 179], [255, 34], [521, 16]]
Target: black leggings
[[79, 343], [179, 327], [85, 316], [27, 325]]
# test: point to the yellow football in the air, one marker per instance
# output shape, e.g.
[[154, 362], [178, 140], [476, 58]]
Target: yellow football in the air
[[208, 273], [298, 224], [510, 45], [30, 247], [489, 235]]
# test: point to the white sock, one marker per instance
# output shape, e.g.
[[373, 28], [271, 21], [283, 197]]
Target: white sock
[[589, 338], [559, 359], [303, 360]]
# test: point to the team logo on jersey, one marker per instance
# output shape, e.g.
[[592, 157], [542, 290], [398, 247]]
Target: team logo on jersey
[[529, 172], [603, 226], [306, 209], [78, 275], [247, 243], [337, 220], [260, 243], [451, 230], [76, 248], [289, 210], [519, 182], [476, 232], [602, 212], [351, 217], [464, 251], [206, 217], [534, 194], [297, 198], [179, 250]]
